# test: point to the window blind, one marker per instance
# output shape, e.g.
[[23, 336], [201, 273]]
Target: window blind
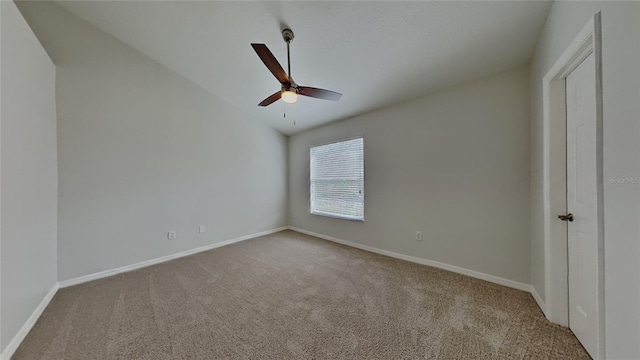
[[337, 179]]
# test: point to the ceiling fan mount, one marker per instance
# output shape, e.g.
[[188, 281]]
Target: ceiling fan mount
[[287, 35], [289, 90]]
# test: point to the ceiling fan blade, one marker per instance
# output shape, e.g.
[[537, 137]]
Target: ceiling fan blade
[[319, 93], [272, 64], [271, 99]]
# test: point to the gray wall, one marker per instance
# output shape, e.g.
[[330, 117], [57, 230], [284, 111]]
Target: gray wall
[[29, 180], [454, 165], [621, 99], [143, 151]]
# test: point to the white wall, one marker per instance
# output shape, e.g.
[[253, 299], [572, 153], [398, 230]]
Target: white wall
[[143, 151], [621, 99], [29, 173], [454, 165]]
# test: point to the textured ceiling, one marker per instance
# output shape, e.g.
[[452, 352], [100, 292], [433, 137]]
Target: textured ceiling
[[375, 53]]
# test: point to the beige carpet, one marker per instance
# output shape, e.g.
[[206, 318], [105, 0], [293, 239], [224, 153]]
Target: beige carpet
[[292, 296]]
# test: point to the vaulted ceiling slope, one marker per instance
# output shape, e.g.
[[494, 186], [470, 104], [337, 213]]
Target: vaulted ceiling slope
[[375, 53]]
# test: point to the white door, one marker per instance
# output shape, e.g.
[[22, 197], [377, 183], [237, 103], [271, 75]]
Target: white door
[[582, 204]]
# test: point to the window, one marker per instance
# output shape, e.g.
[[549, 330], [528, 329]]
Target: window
[[337, 179]]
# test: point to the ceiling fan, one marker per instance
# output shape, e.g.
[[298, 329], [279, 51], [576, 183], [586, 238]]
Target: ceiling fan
[[289, 89]]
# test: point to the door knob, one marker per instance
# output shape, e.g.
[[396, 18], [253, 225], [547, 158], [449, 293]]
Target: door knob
[[568, 217]]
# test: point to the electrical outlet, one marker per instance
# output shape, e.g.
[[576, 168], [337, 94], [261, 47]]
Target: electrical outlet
[[171, 235], [418, 235], [202, 229]]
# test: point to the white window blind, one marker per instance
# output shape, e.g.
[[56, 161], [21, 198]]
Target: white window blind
[[337, 179]]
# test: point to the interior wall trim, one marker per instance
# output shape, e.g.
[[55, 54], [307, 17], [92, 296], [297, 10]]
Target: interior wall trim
[[107, 273], [26, 327], [24, 330], [456, 269], [538, 299]]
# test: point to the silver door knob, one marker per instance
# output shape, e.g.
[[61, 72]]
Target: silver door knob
[[568, 217]]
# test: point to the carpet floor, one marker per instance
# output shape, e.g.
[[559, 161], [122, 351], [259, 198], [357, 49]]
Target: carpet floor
[[293, 296]]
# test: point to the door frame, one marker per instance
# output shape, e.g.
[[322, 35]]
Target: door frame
[[556, 260]]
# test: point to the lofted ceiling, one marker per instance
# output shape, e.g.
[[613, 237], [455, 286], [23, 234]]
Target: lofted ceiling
[[374, 53]]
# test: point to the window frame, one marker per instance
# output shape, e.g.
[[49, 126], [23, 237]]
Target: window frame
[[328, 214]]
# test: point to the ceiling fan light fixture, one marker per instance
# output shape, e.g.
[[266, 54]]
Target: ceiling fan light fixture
[[289, 96]]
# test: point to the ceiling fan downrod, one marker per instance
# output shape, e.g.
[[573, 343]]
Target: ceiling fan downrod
[[287, 35]]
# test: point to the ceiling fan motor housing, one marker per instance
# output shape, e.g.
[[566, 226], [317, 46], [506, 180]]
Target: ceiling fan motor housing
[[290, 87]]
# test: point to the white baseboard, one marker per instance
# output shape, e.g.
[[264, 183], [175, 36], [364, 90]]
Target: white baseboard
[[24, 330], [537, 298], [107, 273], [452, 268], [26, 327]]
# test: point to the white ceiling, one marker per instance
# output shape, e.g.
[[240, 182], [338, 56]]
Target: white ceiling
[[374, 53]]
